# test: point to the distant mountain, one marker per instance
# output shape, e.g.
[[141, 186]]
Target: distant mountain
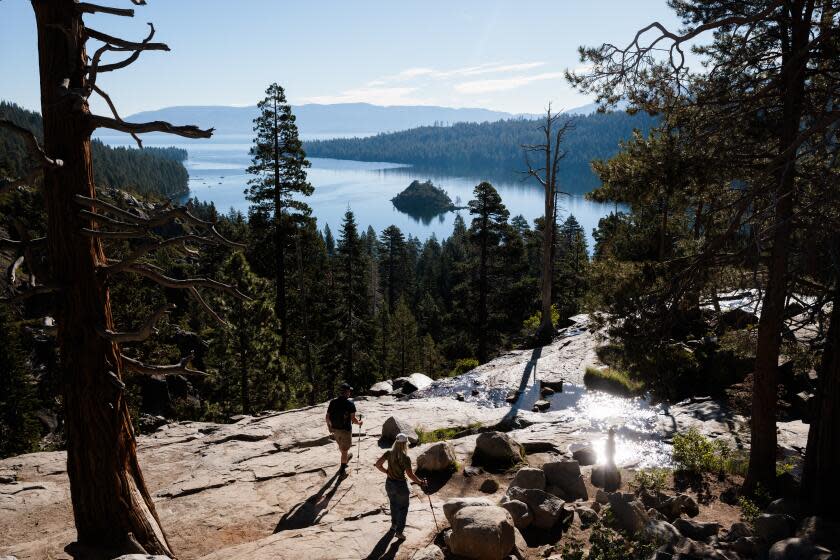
[[340, 118]]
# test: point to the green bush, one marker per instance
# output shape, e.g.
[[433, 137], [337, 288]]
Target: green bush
[[443, 434], [651, 479], [463, 366], [749, 510], [532, 323], [612, 381], [696, 453]]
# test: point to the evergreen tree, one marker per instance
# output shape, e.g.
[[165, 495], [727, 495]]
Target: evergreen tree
[[404, 342], [278, 165], [392, 273], [488, 225], [571, 259], [19, 430]]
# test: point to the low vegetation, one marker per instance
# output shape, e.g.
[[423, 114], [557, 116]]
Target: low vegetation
[[612, 381], [655, 480], [463, 366], [695, 453], [444, 434]]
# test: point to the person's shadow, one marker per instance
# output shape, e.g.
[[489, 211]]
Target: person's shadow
[[381, 551], [309, 511]]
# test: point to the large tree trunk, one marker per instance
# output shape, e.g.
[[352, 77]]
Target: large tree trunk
[[280, 243], [546, 328], [107, 490], [762, 468], [482, 296], [820, 491]]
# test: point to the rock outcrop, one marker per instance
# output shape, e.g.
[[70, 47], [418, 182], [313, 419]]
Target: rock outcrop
[[482, 533]]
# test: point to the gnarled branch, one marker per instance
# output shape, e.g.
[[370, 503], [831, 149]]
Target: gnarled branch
[[144, 332], [187, 131], [212, 312], [183, 284], [181, 368], [87, 8]]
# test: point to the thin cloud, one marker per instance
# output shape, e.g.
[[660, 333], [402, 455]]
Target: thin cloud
[[375, 95], [431, 73], [504, 84]]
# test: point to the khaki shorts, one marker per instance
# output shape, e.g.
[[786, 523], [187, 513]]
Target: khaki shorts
[[344, 439]]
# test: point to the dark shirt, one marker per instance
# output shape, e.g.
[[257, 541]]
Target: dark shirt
[[340, 410]]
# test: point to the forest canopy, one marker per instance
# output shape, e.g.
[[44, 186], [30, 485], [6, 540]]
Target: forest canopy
[[158, 171]]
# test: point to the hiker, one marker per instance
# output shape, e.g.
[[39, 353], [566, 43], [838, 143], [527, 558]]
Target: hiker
[[610, 448], [399, 465], [341, 415]]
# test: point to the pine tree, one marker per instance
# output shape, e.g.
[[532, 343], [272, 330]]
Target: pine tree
[[571, 261], [278, 166], [488, 225], [19, 431], [392, 250], [404, 342]]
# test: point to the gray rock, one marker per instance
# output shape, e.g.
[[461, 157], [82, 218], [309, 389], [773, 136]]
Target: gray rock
[[739, 529], [520, 546], [773, 527], [602, 497], [660, 532], [482, 533], [696, 530], [451, 507], [381, 388], [439, 457], [629, 513], [489, 486], [745, 546], [431, 552], [607, 477], [498, 450], [687, 548], [797, 549], [547, 509], [782, 505], [546, 391], [522, 516], [587, 515], [821, 531], [393, 426], [675, 506], [472, 471], [556, 491], [529, 477], [566, 476], [412, 383], [585, 454], [541, 406]]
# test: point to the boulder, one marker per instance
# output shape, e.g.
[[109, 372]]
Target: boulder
[[431, 552], [584, 454], [520, 546], [498, 450], [522, 516], [745, 546], [782, 505], [675, 506], [553, 386], [482, 533], [607, 477], [773, 527], [630, 514], [737, 530], [529, 477], [393, 426], [547, 509], [546, 391], [412, 383], [439, 457], [797, 549], [489, 486], [587, 515], [687, 548], [602, 497], [541, 406], [821, 531], [382, 388], [566, 476], [696, 530], [660, 533], [451, 507]]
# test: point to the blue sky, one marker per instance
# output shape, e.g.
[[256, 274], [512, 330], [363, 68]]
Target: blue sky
[[505, 55]]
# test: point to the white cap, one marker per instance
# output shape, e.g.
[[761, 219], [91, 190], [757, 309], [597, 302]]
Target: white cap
[[401, 438]]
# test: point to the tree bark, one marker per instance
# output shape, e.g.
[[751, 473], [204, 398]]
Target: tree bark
[[762, 467], [279, 241], [107, 490], [482, 291], [820, 491], [545, 331]]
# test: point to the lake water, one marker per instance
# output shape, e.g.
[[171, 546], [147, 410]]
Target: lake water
[[217, 174]]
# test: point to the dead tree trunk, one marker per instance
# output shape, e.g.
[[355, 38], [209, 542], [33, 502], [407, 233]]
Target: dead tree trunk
[[109, 495]]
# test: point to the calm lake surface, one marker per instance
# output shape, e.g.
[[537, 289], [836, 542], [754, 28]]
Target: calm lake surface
[[217, 174]]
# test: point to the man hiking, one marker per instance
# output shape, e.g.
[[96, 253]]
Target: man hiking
[[341, 415]]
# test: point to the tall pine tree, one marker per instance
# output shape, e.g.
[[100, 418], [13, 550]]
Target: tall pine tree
[[278, 166]]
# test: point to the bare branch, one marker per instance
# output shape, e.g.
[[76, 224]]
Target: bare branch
[[144, 250], [212, 312], [87, 8], [139, 335], [28, 180], [31, 143], [181, 368], [122, 43], [13, 270], [98, 234], [187, 131], [21, 243], [175, 283], [113, 108], [30, 292]]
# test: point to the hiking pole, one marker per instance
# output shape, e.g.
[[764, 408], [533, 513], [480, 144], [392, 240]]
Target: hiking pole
[[431, 507], [359, 450]]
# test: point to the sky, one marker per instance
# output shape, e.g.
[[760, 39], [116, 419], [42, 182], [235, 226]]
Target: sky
[[507, 55]]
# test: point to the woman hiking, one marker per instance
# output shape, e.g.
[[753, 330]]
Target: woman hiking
[[396, 486]]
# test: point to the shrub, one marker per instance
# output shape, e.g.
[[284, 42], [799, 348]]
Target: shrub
[[532, 323], [612, 381], [651, 479], [463, 365], [749, 510], [696, 453], [443, 434]]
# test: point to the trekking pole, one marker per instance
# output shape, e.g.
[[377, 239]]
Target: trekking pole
[[359, 450], [431, 507]]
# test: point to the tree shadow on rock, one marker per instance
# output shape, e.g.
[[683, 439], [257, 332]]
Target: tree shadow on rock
[[309, 511]]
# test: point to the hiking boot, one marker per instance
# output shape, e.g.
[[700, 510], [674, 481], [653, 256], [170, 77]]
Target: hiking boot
[[349, 457], [400, 536]]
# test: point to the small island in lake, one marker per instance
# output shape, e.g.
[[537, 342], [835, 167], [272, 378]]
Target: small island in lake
[[423, 199]]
